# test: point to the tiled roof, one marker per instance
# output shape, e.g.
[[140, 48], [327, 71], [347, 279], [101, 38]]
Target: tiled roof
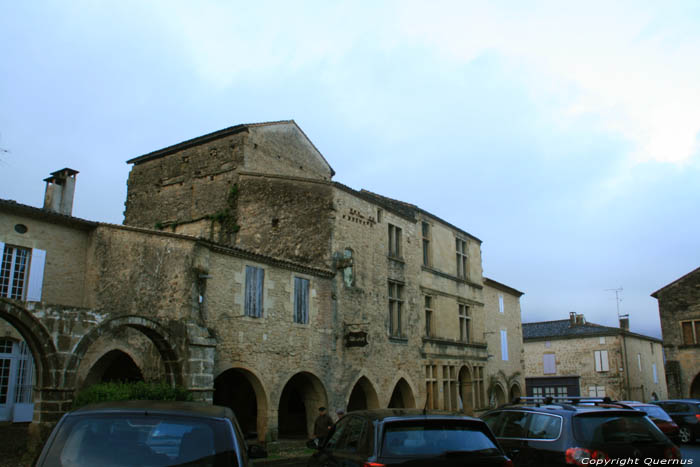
[[563, 329], [45, 214]]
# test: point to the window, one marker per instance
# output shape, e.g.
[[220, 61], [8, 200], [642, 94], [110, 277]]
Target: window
[[601, 361], [21, 272], [596, 391], [461, 258], [428, 316], [254, 278], [691, 332], [301, 300], [379, 216], [449, 388], [500, 303], [426, 243], [395, 311], [639, 361], [463, 323], [504, 345], [547, 344], [431, 386], [602, 339], [653, 372], [394, 241], [549, 363]]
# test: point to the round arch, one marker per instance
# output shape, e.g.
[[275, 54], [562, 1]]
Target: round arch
[[37, 339], [362, 396], [466, 391], [298, 405], [402, 396], [113, 365], [242, 391], [695, 388], [151, 329]]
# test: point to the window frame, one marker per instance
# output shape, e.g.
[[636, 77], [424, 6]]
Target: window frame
[[12, 271], [694, 325], [552, 364], [253, 303], [426, 233], [462, 250], [464, 322], [602, 365], [395, 299], [429, 315], [395, 234], [302, 297]]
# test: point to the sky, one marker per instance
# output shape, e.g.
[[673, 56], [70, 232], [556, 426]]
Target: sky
[[564, 135]]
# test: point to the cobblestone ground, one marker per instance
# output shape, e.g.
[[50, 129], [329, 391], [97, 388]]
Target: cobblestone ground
[[13, 445]]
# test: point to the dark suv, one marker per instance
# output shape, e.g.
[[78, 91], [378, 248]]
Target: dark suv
[[686, 414], [576, 432], [408, 437]]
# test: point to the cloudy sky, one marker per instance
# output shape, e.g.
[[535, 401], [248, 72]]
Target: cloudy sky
[[565, 135]]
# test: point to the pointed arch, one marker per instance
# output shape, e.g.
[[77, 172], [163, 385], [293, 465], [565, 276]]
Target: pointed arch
[[402, 396], [362, 395], [466, 390]]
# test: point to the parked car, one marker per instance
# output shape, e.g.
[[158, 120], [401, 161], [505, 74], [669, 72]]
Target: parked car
[[408, 437], [686, 413], [537, 432], [148, 433], [659, 416]]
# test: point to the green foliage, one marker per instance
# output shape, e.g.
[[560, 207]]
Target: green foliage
[[121, 391], [159, 225]]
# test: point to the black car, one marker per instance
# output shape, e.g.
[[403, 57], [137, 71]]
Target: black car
[[686, 414], [408, 437], [544, 432], [147, 433]]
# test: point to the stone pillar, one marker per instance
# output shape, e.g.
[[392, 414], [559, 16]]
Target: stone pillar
[[199, 372]]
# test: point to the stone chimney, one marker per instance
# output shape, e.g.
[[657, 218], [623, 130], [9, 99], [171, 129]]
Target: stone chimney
[[625, 322], [580, 319], [572, 319], [60, 188]]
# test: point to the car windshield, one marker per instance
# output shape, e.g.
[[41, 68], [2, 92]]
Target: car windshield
[[146, 440], [433, 438], [615, 428], [654, 411]]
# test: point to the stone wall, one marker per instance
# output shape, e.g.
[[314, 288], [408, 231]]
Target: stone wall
[[680, 301]]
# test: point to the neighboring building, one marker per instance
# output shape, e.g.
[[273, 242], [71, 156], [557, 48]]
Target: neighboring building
[[505, 377], [248, 276], [679, 310], [575, 358]]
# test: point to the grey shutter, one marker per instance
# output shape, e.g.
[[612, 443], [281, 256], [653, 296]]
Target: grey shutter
[[297, 300], [304, 301], [251, 291], [260, 273]]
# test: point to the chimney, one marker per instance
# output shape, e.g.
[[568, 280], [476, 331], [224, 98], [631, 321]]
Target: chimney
[[60, 188], [580, 319], [625, 322], [572, 318]]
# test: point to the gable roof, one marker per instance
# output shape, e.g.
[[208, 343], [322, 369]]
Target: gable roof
[[220, 134], [677, 281], [45, 214], [562, 329]]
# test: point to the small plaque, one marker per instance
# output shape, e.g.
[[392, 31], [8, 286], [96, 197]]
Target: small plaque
[[356, 339]]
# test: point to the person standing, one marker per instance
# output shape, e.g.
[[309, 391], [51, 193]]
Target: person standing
[[322, 425], [340, 413]]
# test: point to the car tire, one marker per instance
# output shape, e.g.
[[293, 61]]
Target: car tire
[[685, 435]]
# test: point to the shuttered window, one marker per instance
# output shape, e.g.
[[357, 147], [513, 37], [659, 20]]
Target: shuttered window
[[21, 272], [691, 332], [601, 360], [550, 364], [504, 345], [254, 279], [301, 300]]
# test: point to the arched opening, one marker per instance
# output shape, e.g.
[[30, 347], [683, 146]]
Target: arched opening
[[16, 376], [514, 392], [114, 366], [242, 391], [497, 396], [402, 396], [695, 388], [301, 397], [654, 396], [363, 396], [465, 390]]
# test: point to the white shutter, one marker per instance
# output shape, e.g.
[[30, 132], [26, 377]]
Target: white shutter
[[550, 364], [36, 275], [653, 370], [604, 360], [504, 345]]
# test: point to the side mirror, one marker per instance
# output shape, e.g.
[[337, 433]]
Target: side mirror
[[256, 452]]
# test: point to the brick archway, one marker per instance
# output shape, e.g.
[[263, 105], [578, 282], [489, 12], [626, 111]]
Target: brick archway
[[151, 329]]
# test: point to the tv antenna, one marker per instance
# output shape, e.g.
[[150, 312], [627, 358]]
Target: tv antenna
[[618, 299]]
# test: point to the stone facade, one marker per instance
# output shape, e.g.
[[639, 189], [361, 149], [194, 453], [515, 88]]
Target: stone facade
[[597, 360], [248, 276], [679, 310]]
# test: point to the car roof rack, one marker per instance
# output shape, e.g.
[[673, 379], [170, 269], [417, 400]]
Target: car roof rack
[[565, 402]]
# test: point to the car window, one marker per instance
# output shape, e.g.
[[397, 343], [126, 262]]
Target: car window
[[544, 426], [615, 428], [513, 424], [435, 437], [127, 440], [653, 411], [493, 420], [337, 433], [353, 433]]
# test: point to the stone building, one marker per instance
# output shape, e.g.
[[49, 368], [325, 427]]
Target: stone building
[[244, 273], [679, 310], [576, 358]]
